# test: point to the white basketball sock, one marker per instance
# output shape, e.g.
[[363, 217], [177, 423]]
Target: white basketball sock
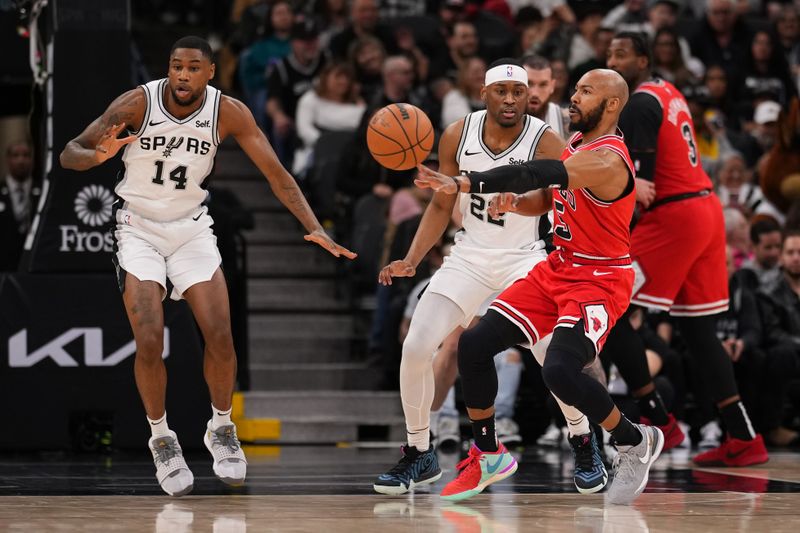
[[220, 418], [159, 428]]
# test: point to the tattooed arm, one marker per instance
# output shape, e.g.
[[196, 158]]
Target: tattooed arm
[[99, 142], [236, 120]]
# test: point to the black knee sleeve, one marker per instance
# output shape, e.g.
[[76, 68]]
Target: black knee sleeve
[[625, 348], [570, 351], [476, 350], [713, 364]]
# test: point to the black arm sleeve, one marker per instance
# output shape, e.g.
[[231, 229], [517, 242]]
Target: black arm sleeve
[[538, 174], [640, 121]]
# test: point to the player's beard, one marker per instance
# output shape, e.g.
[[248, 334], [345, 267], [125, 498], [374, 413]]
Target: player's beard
[[590, 120], [541, 111], [184, 103]]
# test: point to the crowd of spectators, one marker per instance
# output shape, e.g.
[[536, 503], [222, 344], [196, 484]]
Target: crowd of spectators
[[314, 71]]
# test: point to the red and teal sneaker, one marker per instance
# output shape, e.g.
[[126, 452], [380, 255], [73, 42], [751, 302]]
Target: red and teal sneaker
[[478, 471]]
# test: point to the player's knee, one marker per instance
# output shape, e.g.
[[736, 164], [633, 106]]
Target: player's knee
[[150, 344], [475, 348], [567, 354], [219, 340], [418, 347]]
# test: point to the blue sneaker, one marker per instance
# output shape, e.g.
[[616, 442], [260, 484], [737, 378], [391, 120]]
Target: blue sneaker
[[415, 468], [590, 472]]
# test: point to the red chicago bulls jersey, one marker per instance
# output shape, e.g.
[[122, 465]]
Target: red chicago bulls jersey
[[678, 169], [586, 226]]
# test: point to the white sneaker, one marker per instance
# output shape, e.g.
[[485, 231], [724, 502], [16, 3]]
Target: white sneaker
[[552, 437], [710, 435], [172, 473], [448, 431], [507, 431], [230, 464]]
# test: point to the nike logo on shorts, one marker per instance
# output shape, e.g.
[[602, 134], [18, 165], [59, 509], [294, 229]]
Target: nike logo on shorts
[[197, 217], [598, 273]]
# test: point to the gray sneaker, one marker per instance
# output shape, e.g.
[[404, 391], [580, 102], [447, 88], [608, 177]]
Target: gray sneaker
[[230, 463], [632, 466], [172, 473]]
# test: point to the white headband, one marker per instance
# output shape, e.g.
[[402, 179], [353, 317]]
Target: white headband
[[506, 73]]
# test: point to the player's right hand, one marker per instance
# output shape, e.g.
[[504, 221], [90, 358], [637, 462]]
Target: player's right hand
[[505, 202], [108, 145], [396, 269], [645, 192]]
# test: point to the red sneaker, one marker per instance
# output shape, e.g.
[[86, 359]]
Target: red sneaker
[[735, 452], [479, 470], [673, 434]]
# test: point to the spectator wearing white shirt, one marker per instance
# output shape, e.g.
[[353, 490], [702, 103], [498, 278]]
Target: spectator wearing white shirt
[[333, 105], [466, 97]]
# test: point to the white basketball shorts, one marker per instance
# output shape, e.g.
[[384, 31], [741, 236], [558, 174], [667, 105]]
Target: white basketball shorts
[[473, 277], [183, 250]]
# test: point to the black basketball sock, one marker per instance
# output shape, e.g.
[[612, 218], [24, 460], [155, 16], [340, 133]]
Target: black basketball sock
[[485, 434], [626, 434], [736, 420], [651, 406]]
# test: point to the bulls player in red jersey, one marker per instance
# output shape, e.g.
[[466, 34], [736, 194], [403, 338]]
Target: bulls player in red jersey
[[578, 293], [678, 248]]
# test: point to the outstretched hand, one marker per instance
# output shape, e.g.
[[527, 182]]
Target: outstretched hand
[[505, 202], [396, 269], [323, 239], [430, 179], [108, 145]]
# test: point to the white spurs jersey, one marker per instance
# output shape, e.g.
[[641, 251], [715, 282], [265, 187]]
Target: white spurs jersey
[[166, 166], [511, 231]]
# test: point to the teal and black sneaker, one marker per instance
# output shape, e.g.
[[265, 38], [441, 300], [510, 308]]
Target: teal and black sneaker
[[415, 468], [590, 472]]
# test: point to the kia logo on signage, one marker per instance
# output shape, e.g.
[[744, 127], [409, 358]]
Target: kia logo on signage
[[20, 355], [93, 206]]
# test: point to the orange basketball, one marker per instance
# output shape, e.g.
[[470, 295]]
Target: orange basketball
[[400, 136]]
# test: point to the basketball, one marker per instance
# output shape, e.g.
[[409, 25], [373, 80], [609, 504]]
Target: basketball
[[400, 136]]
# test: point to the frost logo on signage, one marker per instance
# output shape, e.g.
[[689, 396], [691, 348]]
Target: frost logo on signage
[[93, 208]]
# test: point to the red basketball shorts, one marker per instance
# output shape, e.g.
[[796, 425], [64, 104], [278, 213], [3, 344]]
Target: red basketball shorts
[[678, 252], [557, 293]]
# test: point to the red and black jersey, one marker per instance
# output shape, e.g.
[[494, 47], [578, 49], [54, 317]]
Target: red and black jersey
[[585, 226], [657, 120]]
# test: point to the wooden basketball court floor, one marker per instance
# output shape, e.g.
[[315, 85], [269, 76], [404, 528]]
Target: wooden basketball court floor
[[329, 489]]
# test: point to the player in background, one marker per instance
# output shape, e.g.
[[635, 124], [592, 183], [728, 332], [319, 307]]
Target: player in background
[[541, 85], [577, 294], [678, 247], [163, 230]]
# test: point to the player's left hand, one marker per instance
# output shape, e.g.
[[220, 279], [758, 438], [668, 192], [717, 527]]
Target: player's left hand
[[323, 239], [505, 202], [430, 179]]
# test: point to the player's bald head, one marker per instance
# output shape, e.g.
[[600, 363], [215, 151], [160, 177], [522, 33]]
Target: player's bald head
[[609, 83]]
